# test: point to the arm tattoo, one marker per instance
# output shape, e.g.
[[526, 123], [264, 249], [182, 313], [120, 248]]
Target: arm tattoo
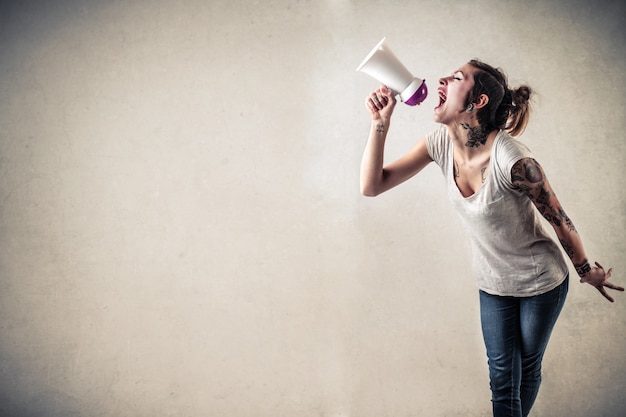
[[380, 128], [554, 215], [517, 177], [528, 178], [569, 250], [567, 221], [528, 171], [533, 173], [583, 268]]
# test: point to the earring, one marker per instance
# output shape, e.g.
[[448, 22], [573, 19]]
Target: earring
[[470, 108]]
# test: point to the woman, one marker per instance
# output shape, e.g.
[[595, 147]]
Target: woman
[[494, 182]]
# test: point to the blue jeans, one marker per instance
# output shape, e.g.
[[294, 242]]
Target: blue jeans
[[516, 333]]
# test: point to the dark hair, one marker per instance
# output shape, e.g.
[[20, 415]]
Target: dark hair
[[507, 109]]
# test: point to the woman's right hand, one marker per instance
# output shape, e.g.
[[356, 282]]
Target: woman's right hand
[[381, 103]]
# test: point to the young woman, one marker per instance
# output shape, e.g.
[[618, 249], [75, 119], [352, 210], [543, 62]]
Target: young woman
[[500, 192]]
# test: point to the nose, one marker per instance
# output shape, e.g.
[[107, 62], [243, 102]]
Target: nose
[[443, 80]]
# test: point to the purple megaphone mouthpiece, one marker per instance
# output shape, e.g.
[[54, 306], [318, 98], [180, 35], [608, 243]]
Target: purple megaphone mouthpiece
[[419, 95], [383, 65]]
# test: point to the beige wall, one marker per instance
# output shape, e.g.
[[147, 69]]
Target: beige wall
[[181, 232]]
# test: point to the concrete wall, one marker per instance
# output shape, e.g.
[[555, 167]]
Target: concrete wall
[[181, 231]]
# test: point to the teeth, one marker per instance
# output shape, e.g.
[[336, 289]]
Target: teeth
[[442, 97]]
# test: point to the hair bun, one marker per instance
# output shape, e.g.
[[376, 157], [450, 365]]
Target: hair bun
[[521, 95]]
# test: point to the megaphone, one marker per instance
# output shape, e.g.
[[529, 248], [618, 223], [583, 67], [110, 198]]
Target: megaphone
[[383, 65]]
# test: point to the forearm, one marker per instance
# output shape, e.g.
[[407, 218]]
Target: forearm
[[593, 275], [573, 246], [372, 167]]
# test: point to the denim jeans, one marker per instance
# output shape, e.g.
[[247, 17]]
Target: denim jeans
[[516, 333]]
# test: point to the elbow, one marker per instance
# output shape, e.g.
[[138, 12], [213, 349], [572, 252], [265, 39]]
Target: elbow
[[372, 187], [369, 191], [375, 183]]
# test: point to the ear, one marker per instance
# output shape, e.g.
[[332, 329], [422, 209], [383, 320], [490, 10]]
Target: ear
[[481, 101]]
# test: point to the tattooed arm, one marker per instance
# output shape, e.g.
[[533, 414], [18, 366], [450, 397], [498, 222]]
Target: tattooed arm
[[528, 176]]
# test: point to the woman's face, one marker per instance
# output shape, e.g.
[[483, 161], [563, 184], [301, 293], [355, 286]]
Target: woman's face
[[453, 91]]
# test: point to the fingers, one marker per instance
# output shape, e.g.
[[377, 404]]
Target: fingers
[[613, 286], [389, 95], [380, 98], [605, 294], [606, 282], [386, 92], [375, 103]]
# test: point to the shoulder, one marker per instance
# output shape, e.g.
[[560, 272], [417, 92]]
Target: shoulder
[[438, 143], [508, 151], [508, 147]]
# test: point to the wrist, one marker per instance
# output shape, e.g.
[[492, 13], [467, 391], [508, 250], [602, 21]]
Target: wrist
[[380, 125], [582, 268]]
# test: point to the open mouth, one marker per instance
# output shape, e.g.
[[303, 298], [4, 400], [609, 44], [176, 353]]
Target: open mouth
[[442, 98]]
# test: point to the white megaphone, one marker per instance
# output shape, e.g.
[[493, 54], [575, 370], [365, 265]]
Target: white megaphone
[[384, 66]]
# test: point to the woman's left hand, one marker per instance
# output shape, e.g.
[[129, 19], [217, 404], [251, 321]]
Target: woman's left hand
[[600, 279]]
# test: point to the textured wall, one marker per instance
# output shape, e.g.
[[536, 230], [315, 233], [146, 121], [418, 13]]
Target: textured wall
[[181, 232]]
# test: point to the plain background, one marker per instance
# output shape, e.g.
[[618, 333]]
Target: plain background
[[181, 229]]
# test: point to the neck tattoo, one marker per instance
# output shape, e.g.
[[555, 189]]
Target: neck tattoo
[[476, 136]]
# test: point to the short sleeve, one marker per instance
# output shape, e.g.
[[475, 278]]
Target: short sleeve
[[508, 152], [437, 145]]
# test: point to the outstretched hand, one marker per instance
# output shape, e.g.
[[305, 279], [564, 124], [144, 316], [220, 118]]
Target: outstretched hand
[[600, 279], [381, 103]]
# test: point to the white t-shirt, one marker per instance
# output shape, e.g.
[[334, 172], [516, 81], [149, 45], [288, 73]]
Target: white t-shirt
[[512, 253]]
